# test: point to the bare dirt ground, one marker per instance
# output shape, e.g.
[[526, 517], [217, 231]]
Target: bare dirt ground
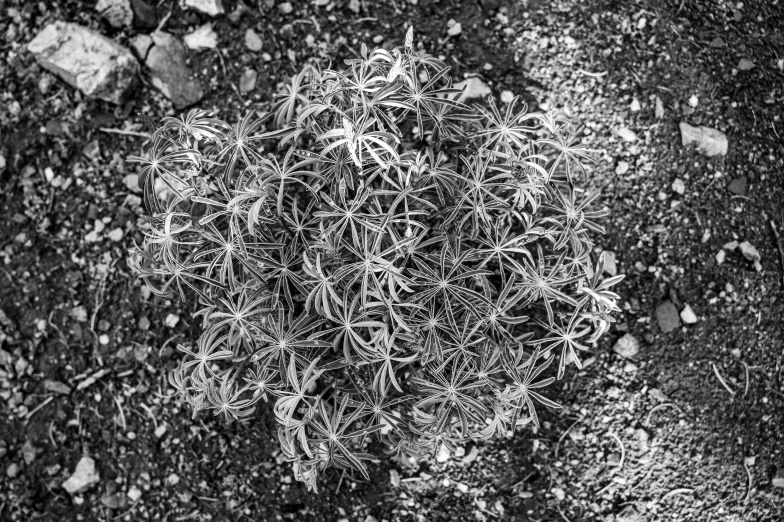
[[689, 428]]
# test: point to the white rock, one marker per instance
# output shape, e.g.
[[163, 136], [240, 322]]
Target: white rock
[[627, 346], [710, 142], [172, 320], [203, 37], [749, 252], [84, 476], [87, 60], [132, 182], [134, 493], [720, 257], [635, 105], [117, 12], [474, 88], [507, 97], [659, 110], [694, 101], [678, 186], [253, 40], [116, 234], [462, 487], [454, 28], [208, 7], [745, 64], [443, 454], [286, 8], [627, 134], [622, 168], [140, 45], [610, 264], [688, 316]]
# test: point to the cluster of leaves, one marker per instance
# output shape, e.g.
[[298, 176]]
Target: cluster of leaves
[[378, 259]]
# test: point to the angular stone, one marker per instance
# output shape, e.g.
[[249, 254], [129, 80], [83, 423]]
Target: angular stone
[[749, 251], [84, 476], [745, 64], [627, 134], [144, 15], [169, 72], [208, 7], [738, 186], [56, 387], [710, 142], [667, 317], [140, 45], [627, 346], [117, 13], [474, 88], [203, 37], [688, 316], [87, 60]]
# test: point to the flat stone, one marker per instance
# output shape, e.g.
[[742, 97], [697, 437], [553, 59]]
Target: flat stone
[[253, 40], [169, 72], [473, 88], [627, 346], [144, 15], [710, 142], [203, 37], [688, 316], [57, 387], [738, 186], [117, 13], [84, 476], [745, 64], [208, 7], [627, 134], [248, 80], [667, 316], [87, 60], [749, 251], [629, 514], [140, 45]]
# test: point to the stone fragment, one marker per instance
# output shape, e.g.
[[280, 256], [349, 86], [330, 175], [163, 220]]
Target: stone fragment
[[117, 13], [203, 37], [778, 480], [667, 316], [84, 476], [144, 15], [749, 252], [627, 134], [285, 8], [629, 514], [659, 110], [455, 28], [57, 387], [473, 87], [248, 80], [87, 60], [710, 142], [738, 186], [170, 74], [134, 493], [29, 452], [627, 346], [688, 316], [678, 186], [745, 64], [12, 470], [253, 41], [622, 168], [610, 263], [208, 7], [717, 42]]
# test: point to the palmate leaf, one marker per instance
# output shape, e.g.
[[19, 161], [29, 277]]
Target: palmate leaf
[[371, 274]]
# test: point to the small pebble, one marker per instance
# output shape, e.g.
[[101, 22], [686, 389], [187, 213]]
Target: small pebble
[[285, 8], [253, 40], [678, 186], [171, 320], [688, 316]]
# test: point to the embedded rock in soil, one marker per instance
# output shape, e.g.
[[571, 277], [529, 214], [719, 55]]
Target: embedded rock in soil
[[84, 476], [253, 41], [140, 45], [144, 15], [688, 316], [208, 7], [474, 88], [738, 186], [778, 480], [87, 60], [667, 317], [117, 12], [749, 252], [629, 514], [169, 72], [627, 346], [710, 142], [248, 80], [203, 37]]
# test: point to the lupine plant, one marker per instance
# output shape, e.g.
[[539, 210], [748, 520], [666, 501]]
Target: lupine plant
[[377, 259]]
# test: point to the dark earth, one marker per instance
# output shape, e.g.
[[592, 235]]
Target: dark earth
[[688, 426]]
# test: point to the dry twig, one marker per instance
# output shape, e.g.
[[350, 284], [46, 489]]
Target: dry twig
[[721, 379]]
